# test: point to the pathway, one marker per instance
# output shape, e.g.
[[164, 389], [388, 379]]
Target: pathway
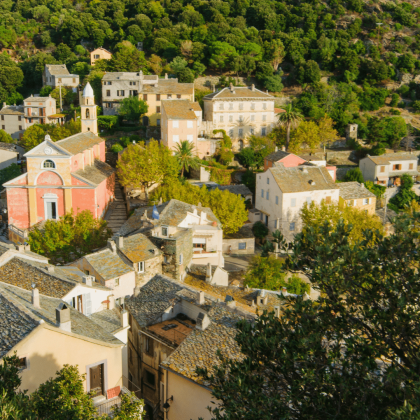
[[116, 215]]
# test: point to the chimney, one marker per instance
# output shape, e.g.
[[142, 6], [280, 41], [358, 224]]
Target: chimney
[[87, 280], [120, 241], [4, 105], [231, 304], [124, 318], [277, 311], [266, 91], [262, 298], [232, 89], [276, 149], [112, 246], [50, 268], [27, 247], [203, 321], [111, 304], [213, 88], [208, 273], [166, 75], [35, 298], [253, 87], [20, 248], [283, 148], [136, 291], [62, 315], [201, 299]]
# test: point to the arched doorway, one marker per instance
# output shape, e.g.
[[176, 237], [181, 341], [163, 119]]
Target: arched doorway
[[241, 145]]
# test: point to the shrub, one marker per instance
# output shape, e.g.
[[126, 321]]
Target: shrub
[[260, 230], [354, 175], [117, 148]]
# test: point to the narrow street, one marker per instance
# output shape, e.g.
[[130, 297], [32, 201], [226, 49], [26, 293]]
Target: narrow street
[[117, 212]]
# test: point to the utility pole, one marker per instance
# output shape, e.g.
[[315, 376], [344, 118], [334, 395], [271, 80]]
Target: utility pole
[[61, 104]]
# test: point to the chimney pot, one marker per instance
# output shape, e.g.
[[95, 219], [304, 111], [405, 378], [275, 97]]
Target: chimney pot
[[35, 298], [62, 315], [136, 291], [283, 148], [87, 280], [111, 304], [20, 248], [276, 149], [277, 311], [120, 241], [253, 87], [112, 246], [166, 75], [203, 321], [124, 318], [201, 298]]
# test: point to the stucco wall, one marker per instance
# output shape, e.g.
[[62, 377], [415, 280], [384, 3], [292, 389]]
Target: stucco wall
[[358, 203], [47, 351], [97, 296], [13, 125], [18, 207], [7, 158], [232, 246]]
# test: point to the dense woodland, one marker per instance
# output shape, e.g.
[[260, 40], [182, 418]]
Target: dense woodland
[[360, 46]]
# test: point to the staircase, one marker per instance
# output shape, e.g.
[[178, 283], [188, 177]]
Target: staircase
[[117, 211]]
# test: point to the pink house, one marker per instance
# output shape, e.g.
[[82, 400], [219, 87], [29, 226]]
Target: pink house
[[181, 120], [61, 176]]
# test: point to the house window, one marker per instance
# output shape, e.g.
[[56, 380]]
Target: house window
[[264, 117], [221, 107], [241, 106], [252, 117], [231, 132], [158, 109], [158, 122], [96, 56], [150, 379], [190, 124], [230, 106], [140, 267], [252, 106], [241, 118], [74, 80], [2, 117], [268, 180], [365, 201], [308, 200], [122, 92], [20, 128], [411, 166], [181, 258], [96, 376], [261, 216], [49, 164], [221, 118], [263, 131], [396, 167], [145, 97], [328, 200], [165, 259], [169, 96], [262, 193], [275, 224], [242, 245], [292, 226], [3, 127], [175, 124], [108, 93], [19, 118], [277, 199], [267, 195], [264, 106], [117, 282], [252, 131], [293, 202], [230, 118], [109, 83], [382, 168], [23, 363], [178, 96], [158, 97], [149, 346], [240, 132]]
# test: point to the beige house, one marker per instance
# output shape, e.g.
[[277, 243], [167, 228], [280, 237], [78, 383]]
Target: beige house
[[12, 120], [9, 153], [175, 329], [357, 195], [281, 193], [241, 112], [99, 54], [387, 169], [180, 121], [46, 333], [150, 88], [40, 110], [56, 75]]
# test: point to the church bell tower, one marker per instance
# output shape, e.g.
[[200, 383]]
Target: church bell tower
[[88, 111]]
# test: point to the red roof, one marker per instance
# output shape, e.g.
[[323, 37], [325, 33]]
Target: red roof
[[278, 110]]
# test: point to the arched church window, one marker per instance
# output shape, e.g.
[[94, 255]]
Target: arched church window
[[49, 164], [87, 113]]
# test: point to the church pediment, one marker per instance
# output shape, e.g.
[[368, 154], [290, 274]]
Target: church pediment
[[47, 148]]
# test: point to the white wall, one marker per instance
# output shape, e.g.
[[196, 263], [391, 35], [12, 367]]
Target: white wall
[[97, 296], [126, 287]]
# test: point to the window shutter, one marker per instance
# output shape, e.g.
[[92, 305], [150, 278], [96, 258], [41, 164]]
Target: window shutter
[[87, 307]]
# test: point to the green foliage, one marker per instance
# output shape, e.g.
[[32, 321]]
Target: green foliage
[[5, 137], [354, 175], [297, 286], [11, 77], [229, 208], [389, 130], [405, 196], [115, 148], [364, 315], [224, 149], [249, 179], [10, 172], [131, 408], [260, 230], [265, 273], [107, 122], [71, 237], [185, 157], [132, 108], [376, 189]]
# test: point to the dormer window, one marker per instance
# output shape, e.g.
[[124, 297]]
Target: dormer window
[[140, 267], [49, 164], [164, 231]]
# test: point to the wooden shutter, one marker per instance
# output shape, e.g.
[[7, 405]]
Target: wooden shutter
[[87, 306]]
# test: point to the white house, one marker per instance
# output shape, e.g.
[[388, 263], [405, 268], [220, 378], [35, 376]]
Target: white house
[[281, 193]]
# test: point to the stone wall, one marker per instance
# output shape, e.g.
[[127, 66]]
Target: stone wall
[[341, 172], [152, 267]]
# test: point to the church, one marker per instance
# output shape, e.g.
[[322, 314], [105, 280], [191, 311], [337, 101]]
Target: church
[[70, 174]]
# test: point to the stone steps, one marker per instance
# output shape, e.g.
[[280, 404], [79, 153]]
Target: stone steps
[[116, 215]]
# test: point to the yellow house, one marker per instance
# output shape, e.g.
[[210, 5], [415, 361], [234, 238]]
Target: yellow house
[[357, 195], [46, 333], [99, 54]]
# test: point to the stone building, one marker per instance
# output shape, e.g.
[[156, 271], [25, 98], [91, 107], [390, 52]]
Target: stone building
[[56, 75], [150, 88], [10, 153], [356, 195], [241, 112], [175, 329], [12, 120]]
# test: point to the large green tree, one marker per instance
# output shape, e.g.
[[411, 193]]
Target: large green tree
[[132, 108], [185, 157], [290, 118], [353, 353]]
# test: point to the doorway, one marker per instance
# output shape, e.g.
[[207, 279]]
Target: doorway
[[51, 210], [97, 380]]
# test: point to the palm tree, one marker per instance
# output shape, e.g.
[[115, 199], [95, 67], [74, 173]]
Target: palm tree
[[184, 155], [289, 119]]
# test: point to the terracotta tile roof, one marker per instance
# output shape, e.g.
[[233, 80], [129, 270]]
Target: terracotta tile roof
[[20, 273], [57, 69], [391, 157], [96, 173], [303, 178], [139, 248], [238, 93], [354, 190], [15, 324], [12, 110], [80, 324], [179, 110], [169, 86], [107, 264], [79, 142], [171, 213], [196, 106]]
